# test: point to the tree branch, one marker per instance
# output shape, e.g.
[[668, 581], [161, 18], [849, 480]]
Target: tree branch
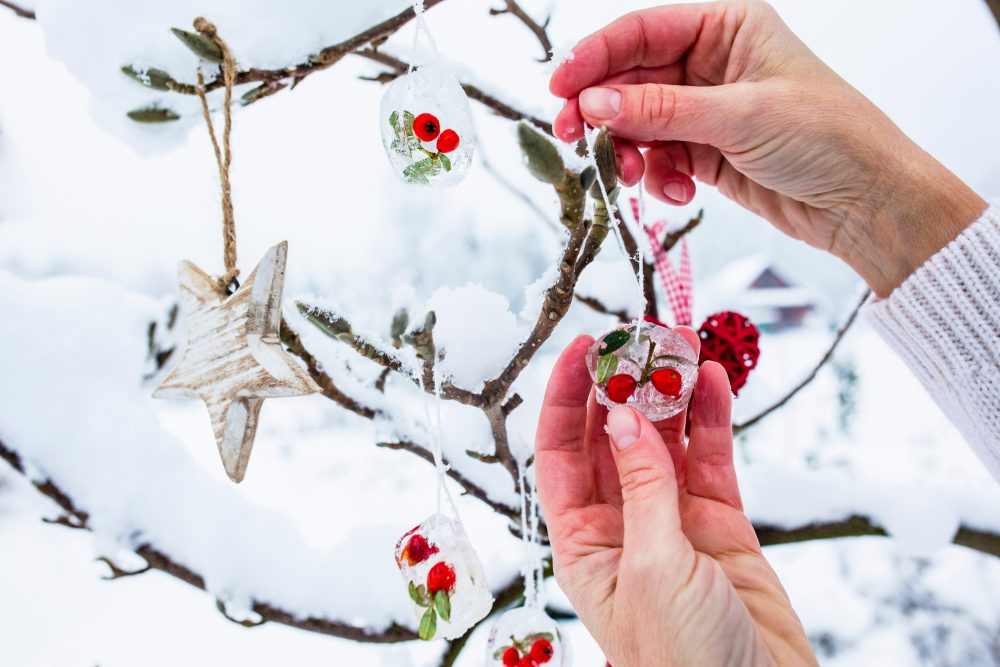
[[399, 67], [539, 30], [20, 11], [739, 428], [994, 6], [597, 305]]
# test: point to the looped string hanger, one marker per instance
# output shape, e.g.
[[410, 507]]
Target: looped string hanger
[[421, 29], [613, 222], [434, 428], [223, 155]]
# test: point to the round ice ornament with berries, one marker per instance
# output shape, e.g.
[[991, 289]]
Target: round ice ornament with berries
[[649, 367], [444, 578], [526, 637], [426, 125]]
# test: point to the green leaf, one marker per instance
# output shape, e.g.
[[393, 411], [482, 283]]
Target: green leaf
[[419, 595], [421, 169], [408, 119], [445, 162], [153, 115], [531, 639], [202, 46], [153, 78], [606, 367], [394, 121], [428, 625], [614, 340], [443, 605], [498, 654]]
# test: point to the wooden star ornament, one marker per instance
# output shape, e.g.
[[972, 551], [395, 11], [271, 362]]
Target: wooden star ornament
[[234, 358]]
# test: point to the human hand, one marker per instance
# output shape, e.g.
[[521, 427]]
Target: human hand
[[724, 92], [649, 539]]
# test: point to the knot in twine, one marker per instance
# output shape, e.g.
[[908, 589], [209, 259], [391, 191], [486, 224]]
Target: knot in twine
[[223, 155]]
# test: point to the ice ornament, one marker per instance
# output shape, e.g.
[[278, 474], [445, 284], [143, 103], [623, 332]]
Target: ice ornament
[[655, 373], [427, 130], [445, 578], [526, 637]]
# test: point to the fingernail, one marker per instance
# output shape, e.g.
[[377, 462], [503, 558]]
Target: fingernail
[[601, 103], [677, 191], [623, 427]]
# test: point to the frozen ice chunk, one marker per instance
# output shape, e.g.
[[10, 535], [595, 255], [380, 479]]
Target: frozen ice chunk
[[426, 125], [526, 632], [444, 577], [654, 374]]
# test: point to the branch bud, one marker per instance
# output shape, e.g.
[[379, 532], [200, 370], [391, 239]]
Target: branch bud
[[604, 155], [153, 115], [542, 158], [201, 46], [153, 78]]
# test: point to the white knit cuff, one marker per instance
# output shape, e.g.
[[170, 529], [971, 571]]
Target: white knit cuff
[[944, 321]]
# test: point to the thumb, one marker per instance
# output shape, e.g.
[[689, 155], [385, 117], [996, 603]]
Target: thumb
[[648, 481], [658, 112]]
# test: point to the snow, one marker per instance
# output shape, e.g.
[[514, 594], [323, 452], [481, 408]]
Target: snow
[[93, 221], [475, 332]]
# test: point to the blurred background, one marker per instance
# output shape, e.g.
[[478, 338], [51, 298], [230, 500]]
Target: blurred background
[[95, 211]]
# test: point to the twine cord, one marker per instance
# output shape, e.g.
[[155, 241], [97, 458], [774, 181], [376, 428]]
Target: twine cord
[[223, 155]]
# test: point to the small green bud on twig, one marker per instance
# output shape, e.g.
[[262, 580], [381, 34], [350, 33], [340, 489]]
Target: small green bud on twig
[[153, 78], [541, 156], [201, 46], [604, 155], [153, 115]]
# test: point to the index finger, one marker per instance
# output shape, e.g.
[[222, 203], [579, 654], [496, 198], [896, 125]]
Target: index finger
[[648, 38], [563, 470]]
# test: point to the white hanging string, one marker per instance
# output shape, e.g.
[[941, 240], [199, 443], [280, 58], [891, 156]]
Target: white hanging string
[[613, 223], [531, 567], [420, 29], [435, 431]]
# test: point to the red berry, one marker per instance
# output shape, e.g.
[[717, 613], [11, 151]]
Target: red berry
[[541, 651], [620, 387], [526, 661], [511, 657], [440, 578], [417, 550], [667, 381], [448, 141], [426, 127]]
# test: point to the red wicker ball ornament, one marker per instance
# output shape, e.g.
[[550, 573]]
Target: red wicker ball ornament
[[730, 339]]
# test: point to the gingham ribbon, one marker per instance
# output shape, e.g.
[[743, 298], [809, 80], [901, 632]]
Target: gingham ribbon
[[676, 284]]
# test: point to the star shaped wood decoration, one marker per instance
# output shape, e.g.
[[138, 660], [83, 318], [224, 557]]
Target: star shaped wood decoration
[[234, 358]]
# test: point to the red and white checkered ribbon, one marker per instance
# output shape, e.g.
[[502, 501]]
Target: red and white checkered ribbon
[[676, 283]]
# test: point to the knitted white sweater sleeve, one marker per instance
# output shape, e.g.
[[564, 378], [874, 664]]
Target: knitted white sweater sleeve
[[944, 321]]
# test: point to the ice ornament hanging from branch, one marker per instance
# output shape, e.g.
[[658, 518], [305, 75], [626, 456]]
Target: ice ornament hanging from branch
[[444, 577], [526, 636], [426, 125]]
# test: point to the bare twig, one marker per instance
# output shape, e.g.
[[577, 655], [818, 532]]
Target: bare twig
[[119, 573], [632, 248], [739, 428], [20, 11], [538, 29], [515, 192], [597, 305], [674, 237], [994, 6]]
